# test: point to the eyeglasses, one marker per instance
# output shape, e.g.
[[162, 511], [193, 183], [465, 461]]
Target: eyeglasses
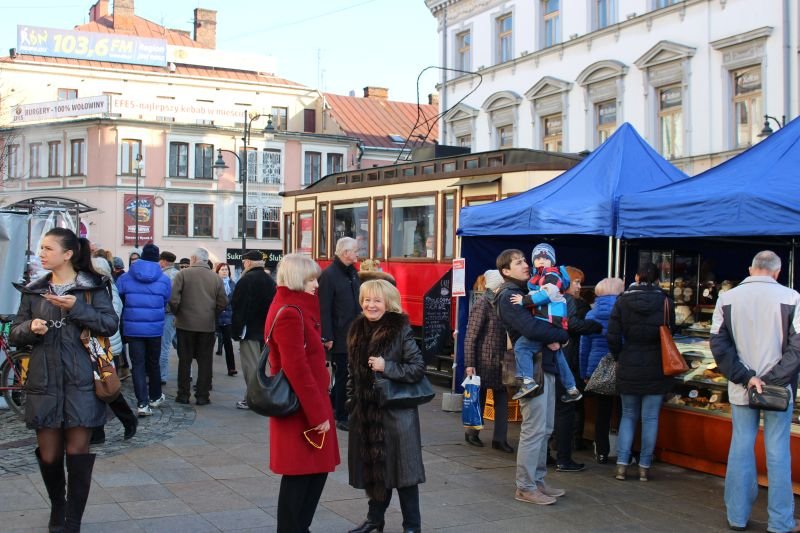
[[311, 441]]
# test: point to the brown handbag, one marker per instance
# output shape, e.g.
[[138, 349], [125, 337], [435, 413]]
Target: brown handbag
[[672, 362], [106, 381]]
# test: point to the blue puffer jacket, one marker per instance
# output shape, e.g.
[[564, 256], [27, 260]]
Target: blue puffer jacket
[[144, 290], [595, 347], [225, 318]]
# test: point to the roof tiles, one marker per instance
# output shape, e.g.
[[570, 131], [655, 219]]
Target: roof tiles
[[139, 27]]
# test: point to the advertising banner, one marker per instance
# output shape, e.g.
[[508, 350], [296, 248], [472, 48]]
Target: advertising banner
[[189, 112], [76, 107], [72, 44], [144, 212]]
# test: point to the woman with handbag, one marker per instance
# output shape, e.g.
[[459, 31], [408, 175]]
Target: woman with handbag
[[384, 446], [61, 403], [635, 343], [484, 346], [593, 348], [225, 319], [302, 448]]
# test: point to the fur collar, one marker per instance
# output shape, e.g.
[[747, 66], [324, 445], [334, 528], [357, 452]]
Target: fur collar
[[85, 281]]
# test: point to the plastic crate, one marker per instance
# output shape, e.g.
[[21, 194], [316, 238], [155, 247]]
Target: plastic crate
[[514, 414]]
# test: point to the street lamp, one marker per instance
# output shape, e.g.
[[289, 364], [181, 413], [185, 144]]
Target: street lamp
[[219, 165], [766, 131], [136, 212]]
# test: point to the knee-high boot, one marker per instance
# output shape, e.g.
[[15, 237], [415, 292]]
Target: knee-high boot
[[55, 483], [79, 481]]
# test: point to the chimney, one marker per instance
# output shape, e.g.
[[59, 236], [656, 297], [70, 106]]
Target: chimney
[[123, 14], [433, 99], [205, 27], [99, 10], [378, 93]]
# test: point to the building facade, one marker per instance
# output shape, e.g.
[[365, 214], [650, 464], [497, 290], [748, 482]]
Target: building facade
[[694, 77]]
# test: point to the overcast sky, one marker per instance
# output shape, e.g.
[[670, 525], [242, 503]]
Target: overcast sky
[[334, 45]]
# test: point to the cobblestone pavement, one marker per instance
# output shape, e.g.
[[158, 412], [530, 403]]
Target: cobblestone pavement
[[209, 472]]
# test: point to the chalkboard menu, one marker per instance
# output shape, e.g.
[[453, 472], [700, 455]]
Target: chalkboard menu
[[437, 333]]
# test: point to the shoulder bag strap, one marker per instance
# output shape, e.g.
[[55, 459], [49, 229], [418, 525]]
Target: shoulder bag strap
[[275, 320]]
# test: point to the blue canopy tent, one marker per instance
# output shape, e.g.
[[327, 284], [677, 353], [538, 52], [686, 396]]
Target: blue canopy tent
[[576, 210]]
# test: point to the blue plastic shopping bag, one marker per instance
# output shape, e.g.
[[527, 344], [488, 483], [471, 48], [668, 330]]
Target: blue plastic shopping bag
[[471, 410]]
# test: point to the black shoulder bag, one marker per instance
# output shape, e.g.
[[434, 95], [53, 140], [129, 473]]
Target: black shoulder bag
[[272, 395]]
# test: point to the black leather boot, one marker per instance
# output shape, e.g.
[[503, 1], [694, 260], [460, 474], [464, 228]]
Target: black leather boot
[[55, 483], [79, 481], [368, 527]]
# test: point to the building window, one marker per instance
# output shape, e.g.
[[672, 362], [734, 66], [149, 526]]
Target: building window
[[203, 220], [312, 170], [13, 161], [203, 159], [251, 223], [309, 121], [35, 152], [280, 117], [464, 46], [271, 167], [335, 163], [505, 48], [271, 222], [464, 140], [178, 220], [665, 3], [379, 229], [505, 136], [553, 133], [76, 158], [747, 105], [179, 160], [449, 225], [670, 119], [552, 22], [352, 220], [129, 149], [53, 158], [67, 94], [413, 227], [604, 13], [322, 236], [606, 119]]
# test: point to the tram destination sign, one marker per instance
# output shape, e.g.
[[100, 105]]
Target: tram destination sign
[[115, 48]]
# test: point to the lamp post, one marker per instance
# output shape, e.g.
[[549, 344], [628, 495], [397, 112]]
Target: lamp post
[[136, 211], [766, 131], [219, 165]]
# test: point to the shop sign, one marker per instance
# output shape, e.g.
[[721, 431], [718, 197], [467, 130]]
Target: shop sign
[[91, 105], [93, 46], [233, 256], [436, 314], [191, 112], [306, 223], [144, 212]]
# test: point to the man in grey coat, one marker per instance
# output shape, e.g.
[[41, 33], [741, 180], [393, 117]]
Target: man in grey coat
[[198, 296]]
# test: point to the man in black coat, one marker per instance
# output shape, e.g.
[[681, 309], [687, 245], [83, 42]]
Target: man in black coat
[[338, 302], [250, 302]]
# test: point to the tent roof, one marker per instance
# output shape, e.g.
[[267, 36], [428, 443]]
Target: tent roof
[[582, 200], [754, 193]]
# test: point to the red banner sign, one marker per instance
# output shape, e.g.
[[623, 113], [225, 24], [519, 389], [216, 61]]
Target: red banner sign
[[144, 213]]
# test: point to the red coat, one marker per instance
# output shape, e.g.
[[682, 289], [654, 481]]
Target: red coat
[[290, 452]]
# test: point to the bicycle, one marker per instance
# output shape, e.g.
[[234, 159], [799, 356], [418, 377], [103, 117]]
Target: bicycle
[[13, 369]]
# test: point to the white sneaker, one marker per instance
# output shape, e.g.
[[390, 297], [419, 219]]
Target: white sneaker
[[144, 410], [157, 403]]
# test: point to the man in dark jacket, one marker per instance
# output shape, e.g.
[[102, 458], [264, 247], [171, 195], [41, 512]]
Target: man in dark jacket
[[145, 291], [566, 411], [338, 301], [251, 299], [537, 410]]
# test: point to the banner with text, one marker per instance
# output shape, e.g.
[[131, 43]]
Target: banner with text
[[144, 213], [76, 107], [72, 44], [187, 112]]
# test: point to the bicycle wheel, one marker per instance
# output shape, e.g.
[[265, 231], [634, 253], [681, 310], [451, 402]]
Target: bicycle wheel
[[13, 375]]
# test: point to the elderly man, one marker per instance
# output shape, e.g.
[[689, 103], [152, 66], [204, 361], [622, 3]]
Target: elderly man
[[338, 301], [754, 341], [538, 411], [167, 262], [198, 296], [250, 302]]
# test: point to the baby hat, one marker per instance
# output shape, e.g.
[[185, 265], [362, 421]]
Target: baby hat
[[544, 249]]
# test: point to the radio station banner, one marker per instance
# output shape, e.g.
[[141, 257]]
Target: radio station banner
[[91, 105], [115, 48], [144, 212]]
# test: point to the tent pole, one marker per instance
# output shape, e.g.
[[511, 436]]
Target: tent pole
[[610, 255], [791, 264], [625, 263], [617, 258]]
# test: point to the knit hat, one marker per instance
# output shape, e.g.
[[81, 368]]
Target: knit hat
[[493, 279], [544, 249], [118, 263], [253, 255], [150, 253]]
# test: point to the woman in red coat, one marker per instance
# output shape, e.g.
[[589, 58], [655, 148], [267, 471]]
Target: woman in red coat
[[302, 447]]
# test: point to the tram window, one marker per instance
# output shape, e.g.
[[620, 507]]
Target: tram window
[[449, 224], [427, 169], [449, 167], [496, 161], [408, 171], [413, 227], [389, 174], [471, 163], [379, 229], [305, 233], [352, 220], [322, 238], [287, 233]]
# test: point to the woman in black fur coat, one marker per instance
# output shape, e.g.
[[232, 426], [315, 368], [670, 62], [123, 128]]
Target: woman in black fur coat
[[384, 448]]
